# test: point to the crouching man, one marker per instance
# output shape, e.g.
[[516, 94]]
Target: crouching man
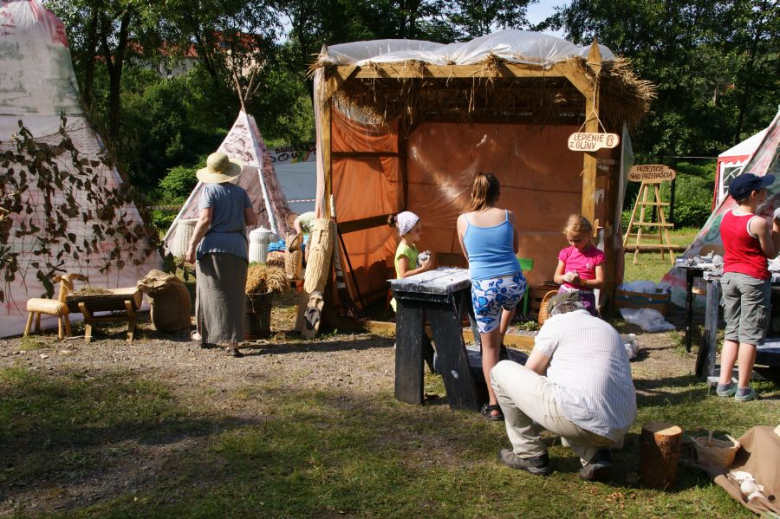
[[576, 384]]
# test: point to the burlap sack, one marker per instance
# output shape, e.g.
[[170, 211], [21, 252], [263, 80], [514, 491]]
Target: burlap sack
[[275, 259], [169, 299]]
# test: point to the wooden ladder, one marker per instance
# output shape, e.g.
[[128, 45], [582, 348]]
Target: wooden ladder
[[662, 225]]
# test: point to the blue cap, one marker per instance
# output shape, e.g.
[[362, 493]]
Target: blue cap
[[741, 187]]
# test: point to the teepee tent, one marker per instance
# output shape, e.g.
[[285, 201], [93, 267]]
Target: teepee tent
[[765, 160], [258, 177], [730, 164], [38, 87]]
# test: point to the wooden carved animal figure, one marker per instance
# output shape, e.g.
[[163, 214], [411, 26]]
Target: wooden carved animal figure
[[56, 307]]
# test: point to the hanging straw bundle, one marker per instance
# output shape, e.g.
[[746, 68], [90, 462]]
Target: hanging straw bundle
[[321, 249]]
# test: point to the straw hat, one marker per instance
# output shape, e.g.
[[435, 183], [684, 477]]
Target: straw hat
[[290, 220], [219, 168]]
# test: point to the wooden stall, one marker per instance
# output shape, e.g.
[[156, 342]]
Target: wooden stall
[[402, 131]]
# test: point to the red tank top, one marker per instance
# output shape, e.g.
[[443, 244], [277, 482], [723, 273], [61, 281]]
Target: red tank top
[[742, 251]]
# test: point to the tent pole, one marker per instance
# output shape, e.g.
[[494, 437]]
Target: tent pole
[[351, 271]]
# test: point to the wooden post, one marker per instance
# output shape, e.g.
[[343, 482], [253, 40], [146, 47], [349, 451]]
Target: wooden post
[[660, 450], [590, 163], [327, 165]]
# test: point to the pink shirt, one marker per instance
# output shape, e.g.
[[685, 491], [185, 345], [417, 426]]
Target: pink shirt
[[584, 263]]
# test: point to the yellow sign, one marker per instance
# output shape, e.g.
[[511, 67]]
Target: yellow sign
[[651, 173], [583, 141]]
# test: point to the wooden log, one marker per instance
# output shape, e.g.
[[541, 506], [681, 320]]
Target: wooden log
[[660, 450]]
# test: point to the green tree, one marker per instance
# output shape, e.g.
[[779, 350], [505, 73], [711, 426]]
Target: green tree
[[708, 58], [474, 18]]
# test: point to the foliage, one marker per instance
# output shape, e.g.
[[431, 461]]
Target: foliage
[[475, 19], [177, 185], [714, 63], [162, 219], [68, 197]]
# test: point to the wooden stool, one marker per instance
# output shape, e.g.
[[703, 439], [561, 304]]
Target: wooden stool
[[56, 307]]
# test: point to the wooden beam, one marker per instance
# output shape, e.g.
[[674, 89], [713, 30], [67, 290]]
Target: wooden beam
[[427, 70], [335, 77], [589, 170], [327, 138], [589, 164], [362, 154], [362, 224]]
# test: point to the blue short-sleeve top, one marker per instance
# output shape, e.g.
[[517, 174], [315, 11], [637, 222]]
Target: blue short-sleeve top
[[227, 232]]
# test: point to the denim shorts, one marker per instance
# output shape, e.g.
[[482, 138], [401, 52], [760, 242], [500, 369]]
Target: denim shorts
[[489, 296], [746, 307]]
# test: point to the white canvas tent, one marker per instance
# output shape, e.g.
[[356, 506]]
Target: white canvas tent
[[730, 164], [37, 86], [258, 177], [296, 170]]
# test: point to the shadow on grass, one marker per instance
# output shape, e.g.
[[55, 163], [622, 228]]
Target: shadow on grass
[[302, 347], [319, 454]]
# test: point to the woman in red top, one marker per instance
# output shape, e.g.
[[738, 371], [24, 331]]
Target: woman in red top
[[748, 241]]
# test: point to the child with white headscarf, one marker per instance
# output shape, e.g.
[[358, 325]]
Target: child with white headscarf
[[407, 255]]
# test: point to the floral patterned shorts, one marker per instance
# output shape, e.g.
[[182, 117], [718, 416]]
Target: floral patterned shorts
[[489, 296]]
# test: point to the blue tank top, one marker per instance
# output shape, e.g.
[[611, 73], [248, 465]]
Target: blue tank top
[[491, 251]]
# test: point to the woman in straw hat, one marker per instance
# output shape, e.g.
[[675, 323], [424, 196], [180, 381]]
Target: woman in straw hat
[[220, 246]]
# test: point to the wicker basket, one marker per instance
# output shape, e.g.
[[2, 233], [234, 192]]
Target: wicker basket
[[543, 313], [293, 264], [718, 453]]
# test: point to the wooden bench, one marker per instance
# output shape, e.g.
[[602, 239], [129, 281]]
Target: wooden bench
[[121, 302], [443, 296]]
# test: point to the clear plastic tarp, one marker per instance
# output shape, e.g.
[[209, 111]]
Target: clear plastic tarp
[[510, 45]]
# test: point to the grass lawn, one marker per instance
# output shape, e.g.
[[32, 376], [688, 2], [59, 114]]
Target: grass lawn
[[649, 265], [297, 428]]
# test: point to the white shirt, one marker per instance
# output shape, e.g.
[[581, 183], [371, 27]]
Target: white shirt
[[590, 372]]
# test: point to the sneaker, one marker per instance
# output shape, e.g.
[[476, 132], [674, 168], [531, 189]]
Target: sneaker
[[752, 395], [540, 465], [726, 390], [599, 468]]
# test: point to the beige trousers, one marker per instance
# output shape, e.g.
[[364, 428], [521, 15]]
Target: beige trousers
[[527, 400]]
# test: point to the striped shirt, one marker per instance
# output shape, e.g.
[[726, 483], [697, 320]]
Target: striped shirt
[[590, 372]]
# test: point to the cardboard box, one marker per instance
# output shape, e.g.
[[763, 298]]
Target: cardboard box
[[659, 300]]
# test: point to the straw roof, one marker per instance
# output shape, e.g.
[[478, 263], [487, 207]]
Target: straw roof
[[494, 94]]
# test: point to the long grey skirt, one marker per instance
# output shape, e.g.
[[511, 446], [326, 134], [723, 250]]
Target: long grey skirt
[[220, 298]]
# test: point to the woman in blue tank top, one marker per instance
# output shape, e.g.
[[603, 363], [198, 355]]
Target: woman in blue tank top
[[489, 239]]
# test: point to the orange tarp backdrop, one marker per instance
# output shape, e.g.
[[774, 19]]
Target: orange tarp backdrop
[[540, 182]]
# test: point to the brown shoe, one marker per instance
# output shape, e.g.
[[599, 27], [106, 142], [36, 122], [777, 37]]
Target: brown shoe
[[539, 465], [234, 352]]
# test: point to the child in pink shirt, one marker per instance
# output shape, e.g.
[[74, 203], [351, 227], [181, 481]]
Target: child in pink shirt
[[581, 265]]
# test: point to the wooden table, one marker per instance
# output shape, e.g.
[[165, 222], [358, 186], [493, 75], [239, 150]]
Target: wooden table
[[444, 297], [767, 354], [691, 273], [121, 302]]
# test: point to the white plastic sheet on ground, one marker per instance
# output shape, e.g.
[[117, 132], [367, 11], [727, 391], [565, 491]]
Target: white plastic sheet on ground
[[649, 319]]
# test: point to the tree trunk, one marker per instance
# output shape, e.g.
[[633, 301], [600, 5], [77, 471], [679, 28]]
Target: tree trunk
[[114, 64], [660, 450], [90, 52]]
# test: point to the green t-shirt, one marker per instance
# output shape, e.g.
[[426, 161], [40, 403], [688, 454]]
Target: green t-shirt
[[305, 221], [404, 250]]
